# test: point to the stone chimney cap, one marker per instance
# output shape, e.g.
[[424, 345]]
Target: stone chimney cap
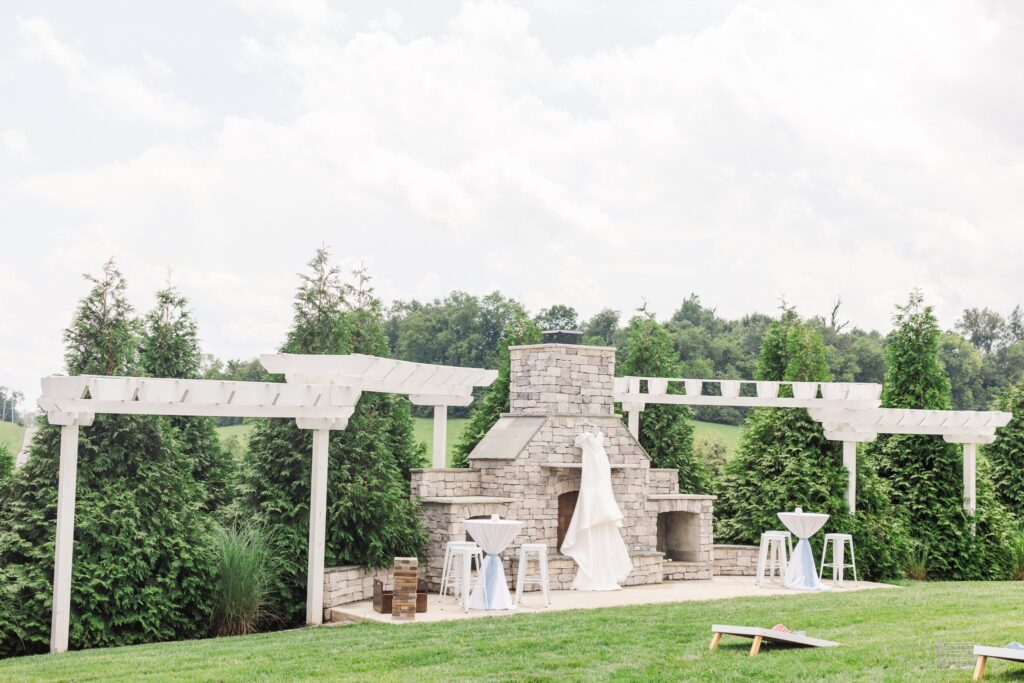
[[561, 336]]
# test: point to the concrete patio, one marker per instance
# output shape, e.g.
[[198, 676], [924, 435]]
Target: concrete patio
[[719, 587]]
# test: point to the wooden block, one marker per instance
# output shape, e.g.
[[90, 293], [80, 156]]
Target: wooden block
[[715, 640], [755, 647], [406, 574]]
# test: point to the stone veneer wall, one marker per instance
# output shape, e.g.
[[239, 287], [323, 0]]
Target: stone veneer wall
[[562, 378], [735, 560]]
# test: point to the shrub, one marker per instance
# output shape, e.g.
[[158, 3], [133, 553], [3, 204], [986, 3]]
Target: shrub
[[142, 566], [370, 516], [1016, 550], [923, 472], [6, 468], [245, 577]]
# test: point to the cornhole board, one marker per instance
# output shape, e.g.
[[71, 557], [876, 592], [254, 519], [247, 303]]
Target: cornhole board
[[762, 634], [984, 652]]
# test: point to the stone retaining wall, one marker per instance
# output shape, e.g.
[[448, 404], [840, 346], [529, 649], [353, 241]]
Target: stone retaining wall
[[735, 560], [350, 583]]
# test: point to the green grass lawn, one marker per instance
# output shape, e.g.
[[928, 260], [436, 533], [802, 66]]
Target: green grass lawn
[[727, 434], [11, 435], [423, 430], [886, 635]]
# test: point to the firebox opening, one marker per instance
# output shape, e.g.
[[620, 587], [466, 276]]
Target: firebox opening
[[679, 536], [566, 506]]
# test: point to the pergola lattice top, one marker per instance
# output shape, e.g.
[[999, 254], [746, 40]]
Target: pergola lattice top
[[848, 411]]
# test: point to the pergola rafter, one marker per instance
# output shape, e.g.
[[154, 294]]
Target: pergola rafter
[[320, 393], [848, 412]]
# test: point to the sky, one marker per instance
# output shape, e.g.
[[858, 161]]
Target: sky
[[600, 154]]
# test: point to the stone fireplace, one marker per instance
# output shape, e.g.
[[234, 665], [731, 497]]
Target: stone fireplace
[[528, 468]]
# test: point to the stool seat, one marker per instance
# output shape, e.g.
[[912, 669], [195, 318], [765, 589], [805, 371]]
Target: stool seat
[[457, 573], [838, 563], [773, 554], [541, 552]]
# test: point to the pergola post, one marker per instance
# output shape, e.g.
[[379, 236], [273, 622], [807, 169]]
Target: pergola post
[[64, 547], [970, 477], [440, 452], [850, 463], [317, 528], [633, 411]]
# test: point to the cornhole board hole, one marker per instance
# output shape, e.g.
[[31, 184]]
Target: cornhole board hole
[[761, 634], [984, 652]]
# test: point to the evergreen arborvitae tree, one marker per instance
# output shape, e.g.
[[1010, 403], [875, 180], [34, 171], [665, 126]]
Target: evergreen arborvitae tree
[[1006, 454], [6, 469], [785, 461], [666, 431], [495, 399], [924, 473], [370, 516], [141, 568], [170, 348]]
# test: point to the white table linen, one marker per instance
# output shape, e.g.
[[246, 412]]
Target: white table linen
[[801, 574], [493, 536]]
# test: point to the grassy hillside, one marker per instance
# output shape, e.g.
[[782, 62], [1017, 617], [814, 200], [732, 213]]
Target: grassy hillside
[[11, 435], [727, 434], [423, 428], [884, 635]]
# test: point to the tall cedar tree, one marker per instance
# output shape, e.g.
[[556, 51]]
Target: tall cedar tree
[[784, 461], [141, 568], [6, 469], [170, 348], [495, 399], [924, 472], [1006, 453], [666, 431], [370, 516]]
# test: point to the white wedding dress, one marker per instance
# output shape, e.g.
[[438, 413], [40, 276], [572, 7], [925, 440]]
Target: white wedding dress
[[593, 539]]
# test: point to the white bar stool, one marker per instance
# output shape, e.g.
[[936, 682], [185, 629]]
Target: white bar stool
[[838, 562], [541, 551], [773, 554], [458, 563]]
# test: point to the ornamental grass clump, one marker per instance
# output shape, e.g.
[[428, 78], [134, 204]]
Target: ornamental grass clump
[[917, 562], [245, 576]]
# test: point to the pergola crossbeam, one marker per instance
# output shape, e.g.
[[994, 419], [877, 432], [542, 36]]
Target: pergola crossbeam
[[848, 412]]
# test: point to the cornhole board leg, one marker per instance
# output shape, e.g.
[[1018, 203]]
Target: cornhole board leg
[[979, 668], [755, 647], [715, 640]]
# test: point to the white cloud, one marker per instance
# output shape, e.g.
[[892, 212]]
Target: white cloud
[[117, 91], [14, 142], [310, 14], [777, 149]]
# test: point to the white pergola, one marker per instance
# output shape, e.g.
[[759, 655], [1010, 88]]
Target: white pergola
[[849, 412], [320, 393]]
